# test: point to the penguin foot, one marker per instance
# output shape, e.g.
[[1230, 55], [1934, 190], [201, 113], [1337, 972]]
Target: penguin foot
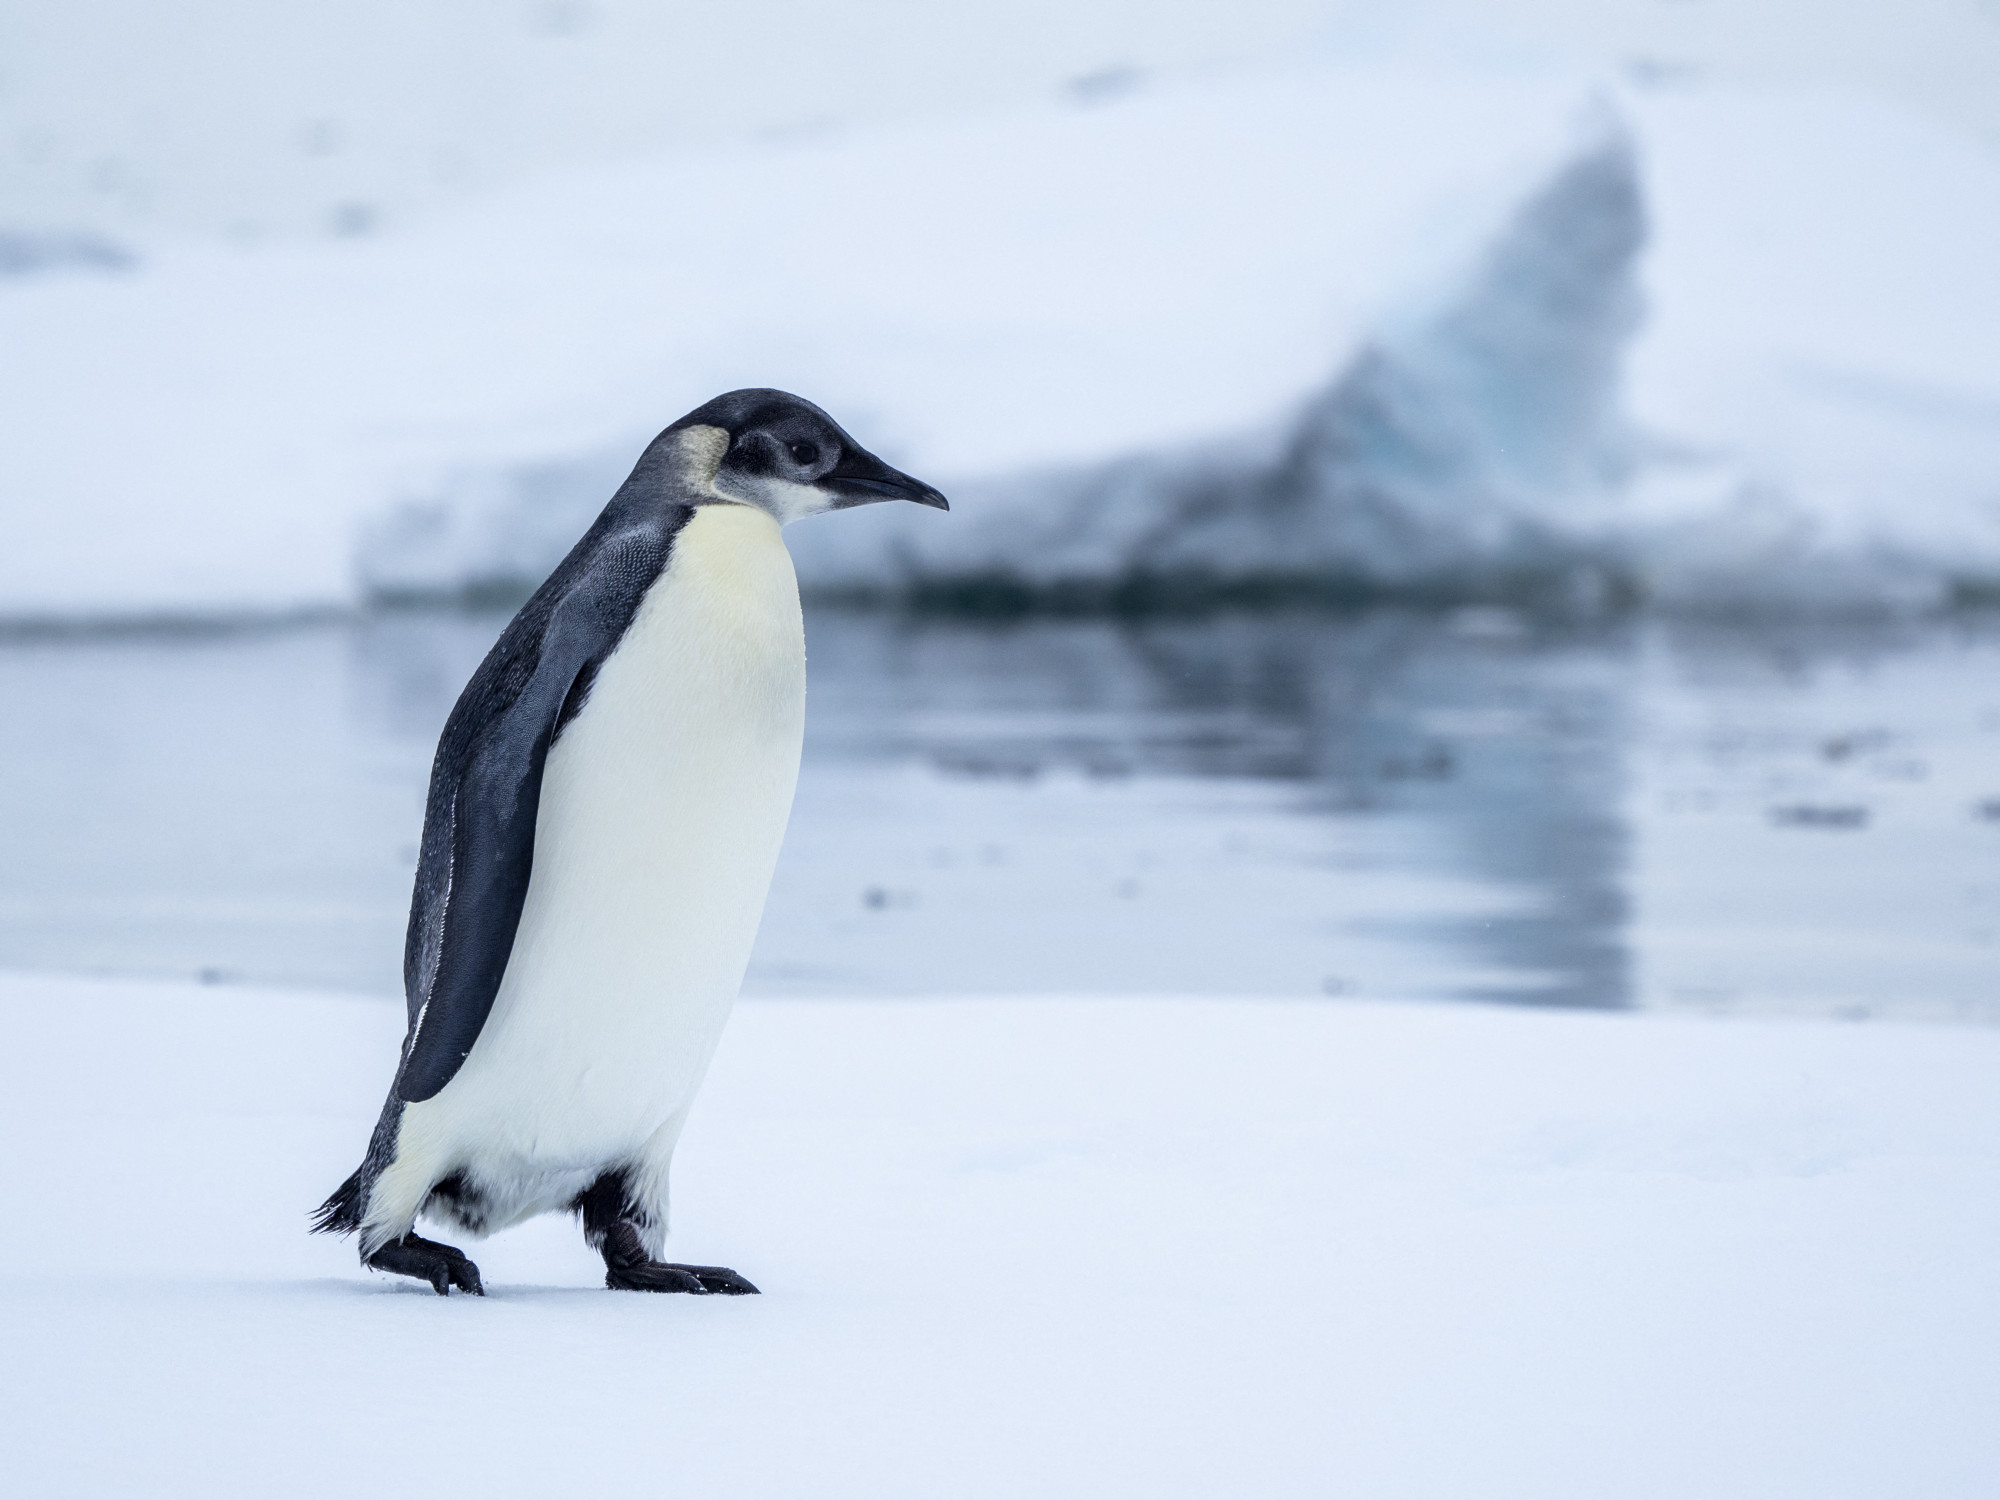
[[658, 1276], [627, 1268], [441, 1265]]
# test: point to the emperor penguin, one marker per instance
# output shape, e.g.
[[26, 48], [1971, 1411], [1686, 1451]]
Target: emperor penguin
[[604, 816]]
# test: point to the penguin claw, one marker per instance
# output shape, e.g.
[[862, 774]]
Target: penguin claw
[[721, 1281]]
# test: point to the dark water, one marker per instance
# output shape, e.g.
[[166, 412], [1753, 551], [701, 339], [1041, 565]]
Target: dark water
[[1472, 806]]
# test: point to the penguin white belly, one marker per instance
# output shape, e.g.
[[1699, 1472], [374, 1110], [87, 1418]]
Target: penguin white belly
[[662, 809]]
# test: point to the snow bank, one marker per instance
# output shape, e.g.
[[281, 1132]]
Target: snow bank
[[1037, 1247], [445, 406], [1364, 327], [1821, 371]]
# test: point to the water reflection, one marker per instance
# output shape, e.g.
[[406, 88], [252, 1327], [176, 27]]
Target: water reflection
[[1393, 804], [1482, 752]]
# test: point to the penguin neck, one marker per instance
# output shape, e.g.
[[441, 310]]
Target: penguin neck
[[729, 591]]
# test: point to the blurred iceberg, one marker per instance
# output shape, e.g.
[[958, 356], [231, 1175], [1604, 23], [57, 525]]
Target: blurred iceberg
[[1332, 332], [1473, 451]]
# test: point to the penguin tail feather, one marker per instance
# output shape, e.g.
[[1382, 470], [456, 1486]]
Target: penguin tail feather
[[341, 1213]]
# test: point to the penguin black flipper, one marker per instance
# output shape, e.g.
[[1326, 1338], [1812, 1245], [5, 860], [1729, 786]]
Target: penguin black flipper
[[479, 820]]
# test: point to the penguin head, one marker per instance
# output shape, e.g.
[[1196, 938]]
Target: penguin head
[[783, 455]]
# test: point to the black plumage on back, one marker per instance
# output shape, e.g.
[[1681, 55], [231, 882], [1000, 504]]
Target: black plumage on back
[[479, 817]]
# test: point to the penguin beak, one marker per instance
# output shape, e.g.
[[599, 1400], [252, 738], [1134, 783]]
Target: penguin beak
[[860, 478]]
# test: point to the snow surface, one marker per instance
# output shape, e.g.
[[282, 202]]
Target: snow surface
[[1146, 1247], [1725, 344]]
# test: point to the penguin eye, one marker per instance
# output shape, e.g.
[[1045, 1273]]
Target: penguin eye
[[805, 455]]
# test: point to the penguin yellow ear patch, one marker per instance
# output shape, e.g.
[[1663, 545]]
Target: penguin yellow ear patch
[[701, 450]]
